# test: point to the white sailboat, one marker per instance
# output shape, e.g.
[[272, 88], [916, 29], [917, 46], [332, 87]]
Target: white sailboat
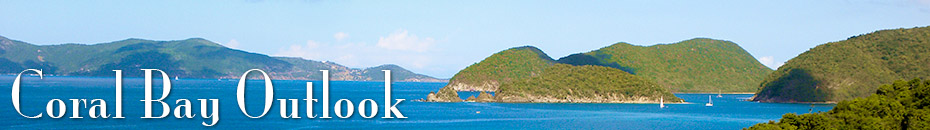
[[719, 94], [710, 102], [662, 103], [175, 77]]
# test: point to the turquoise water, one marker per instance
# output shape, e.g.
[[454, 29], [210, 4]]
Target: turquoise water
[[728, 112]]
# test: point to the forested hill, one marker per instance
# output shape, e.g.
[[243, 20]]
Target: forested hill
[[695, 65], [504, 66], [189, 58], [584, 84], [526, 74], [851, 68]]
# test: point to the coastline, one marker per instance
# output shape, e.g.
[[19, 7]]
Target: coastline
[[817, 103], [714, 93]]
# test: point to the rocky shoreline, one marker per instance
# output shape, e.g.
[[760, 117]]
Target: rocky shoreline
[[447, 94]]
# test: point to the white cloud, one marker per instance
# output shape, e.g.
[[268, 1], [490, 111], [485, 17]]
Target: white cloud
[[399, 48], [306, 51], [402, 40], [232, 44], [770, 62], [312, 44], [340, 36]]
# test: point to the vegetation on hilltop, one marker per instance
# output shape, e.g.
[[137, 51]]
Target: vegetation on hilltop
[[696, 65], [445, 94], [850, 68], [588, 83], [505, 66], [900, 106], [526, 74]]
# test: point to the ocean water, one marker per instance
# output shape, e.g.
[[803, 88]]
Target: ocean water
[[728, 112]]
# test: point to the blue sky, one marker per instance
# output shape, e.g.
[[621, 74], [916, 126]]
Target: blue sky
[[438, 38]]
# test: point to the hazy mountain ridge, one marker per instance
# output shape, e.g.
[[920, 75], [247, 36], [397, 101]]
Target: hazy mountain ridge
[[189, 58]]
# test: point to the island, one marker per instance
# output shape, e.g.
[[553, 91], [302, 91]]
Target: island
[[849, 69], [526, 74]]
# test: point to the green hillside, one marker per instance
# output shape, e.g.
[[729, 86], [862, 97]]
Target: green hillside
[[584, 84], [902, 105], [190, 58], [505, 66], [850, 68], [696, 65], [526, 74]]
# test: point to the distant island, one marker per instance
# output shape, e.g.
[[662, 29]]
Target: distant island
[[620, 73], [849, 69], [189, 58]]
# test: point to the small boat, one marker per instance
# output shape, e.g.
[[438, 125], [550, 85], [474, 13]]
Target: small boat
[[175, 77], [719, 94], [710, 102], [662, 103]]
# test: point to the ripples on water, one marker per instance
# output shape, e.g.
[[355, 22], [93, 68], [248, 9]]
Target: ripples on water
[[729, 112]]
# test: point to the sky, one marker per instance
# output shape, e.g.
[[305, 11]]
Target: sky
[[439, 38]]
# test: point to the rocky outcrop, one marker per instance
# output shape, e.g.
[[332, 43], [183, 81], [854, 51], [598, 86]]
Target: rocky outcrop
[[484, 86], [482, 97], [595, 99], [445, 94], [485, 97], [470, 99]]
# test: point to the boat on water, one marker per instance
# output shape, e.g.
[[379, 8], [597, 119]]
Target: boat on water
[[662, 103], [719, 94], [710, 102]]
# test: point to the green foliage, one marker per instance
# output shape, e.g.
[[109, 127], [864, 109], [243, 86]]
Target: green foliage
[[505, 66], [851, 68], [795, 88], [562, 80], [580, 59], [899, 106], [527, 71], [696, 65]]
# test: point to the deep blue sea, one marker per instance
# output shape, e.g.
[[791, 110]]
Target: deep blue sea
[[728, 112]]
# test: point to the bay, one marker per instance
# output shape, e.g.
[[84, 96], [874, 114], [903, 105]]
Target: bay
[[729, 112]]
